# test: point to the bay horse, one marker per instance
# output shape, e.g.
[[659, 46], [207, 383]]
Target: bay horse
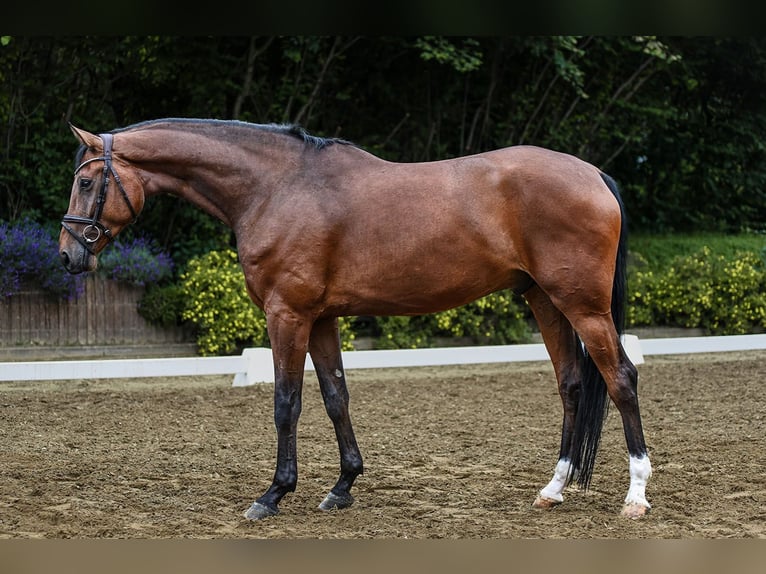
[[325, 229]]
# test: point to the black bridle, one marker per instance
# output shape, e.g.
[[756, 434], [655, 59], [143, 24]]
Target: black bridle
[[94, 229]]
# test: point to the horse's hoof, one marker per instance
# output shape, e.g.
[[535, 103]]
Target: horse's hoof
[[258, 511], [336, 502], [544, 503], [635, 510]]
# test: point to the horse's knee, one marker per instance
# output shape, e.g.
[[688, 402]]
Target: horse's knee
[[287, 409], [334, 394], [335, 402]]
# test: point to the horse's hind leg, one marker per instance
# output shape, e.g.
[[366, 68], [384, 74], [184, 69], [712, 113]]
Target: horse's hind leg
[[560, 341], [324, 346], [621, 377]]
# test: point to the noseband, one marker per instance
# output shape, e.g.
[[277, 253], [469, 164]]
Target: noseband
[[94, 229]]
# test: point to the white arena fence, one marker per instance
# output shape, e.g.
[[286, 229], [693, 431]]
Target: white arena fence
[[255, 365]]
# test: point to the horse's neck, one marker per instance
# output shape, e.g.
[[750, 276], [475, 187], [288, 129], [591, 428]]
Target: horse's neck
[[215, 177]]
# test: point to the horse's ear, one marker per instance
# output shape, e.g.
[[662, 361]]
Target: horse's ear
[[87, 138]]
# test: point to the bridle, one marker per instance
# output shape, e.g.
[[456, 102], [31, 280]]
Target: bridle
[[94, 229]]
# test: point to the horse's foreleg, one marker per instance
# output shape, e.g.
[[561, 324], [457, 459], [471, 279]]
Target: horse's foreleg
[[289, 340], [560, 341], [324, 346]]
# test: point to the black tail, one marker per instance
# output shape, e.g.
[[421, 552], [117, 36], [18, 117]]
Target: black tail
[[593, 404]]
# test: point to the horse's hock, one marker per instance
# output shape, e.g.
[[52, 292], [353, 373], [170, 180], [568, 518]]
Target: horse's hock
[[37, 325]]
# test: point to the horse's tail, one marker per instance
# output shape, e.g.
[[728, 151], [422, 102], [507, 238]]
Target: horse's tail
[[619, 286], [594, 402]]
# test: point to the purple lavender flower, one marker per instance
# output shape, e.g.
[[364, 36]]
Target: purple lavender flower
[[139, 261], [29, 254]]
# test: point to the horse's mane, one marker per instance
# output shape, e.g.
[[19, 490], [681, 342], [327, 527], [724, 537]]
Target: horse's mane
[[292, 130]]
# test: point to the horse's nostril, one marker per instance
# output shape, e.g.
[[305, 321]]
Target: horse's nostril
[[64, 258]]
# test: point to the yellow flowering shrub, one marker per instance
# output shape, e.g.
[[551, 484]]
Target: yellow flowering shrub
[[218, 305], [724, 296]]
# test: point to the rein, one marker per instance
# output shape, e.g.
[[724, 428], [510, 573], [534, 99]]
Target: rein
[[94, 229]]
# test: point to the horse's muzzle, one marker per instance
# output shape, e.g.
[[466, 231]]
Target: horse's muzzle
[[77, 260]]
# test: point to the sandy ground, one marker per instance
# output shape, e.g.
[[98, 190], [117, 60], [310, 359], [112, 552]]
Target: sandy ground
[[449, 453]]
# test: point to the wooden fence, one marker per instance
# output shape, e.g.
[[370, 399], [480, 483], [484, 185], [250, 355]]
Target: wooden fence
[[106, 314]]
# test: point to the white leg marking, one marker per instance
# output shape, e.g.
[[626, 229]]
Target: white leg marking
[[640, 471], [557, 484]]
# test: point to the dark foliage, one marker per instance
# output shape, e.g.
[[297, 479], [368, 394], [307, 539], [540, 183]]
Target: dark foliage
[[678, 122]]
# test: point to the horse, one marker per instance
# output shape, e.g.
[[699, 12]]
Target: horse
[[325, 229]]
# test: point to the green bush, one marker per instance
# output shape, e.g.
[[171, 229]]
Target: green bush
[[659, 252], [715, 282], [217, 304], [725, 295], [497, 319], [162, 304]]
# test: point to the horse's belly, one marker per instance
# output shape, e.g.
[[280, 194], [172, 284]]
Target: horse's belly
[[417, 290]]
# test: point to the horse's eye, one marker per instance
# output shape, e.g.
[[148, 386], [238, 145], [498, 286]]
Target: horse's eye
[[85, 183]]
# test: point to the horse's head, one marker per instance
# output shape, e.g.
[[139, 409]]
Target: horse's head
[[107, 195]]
